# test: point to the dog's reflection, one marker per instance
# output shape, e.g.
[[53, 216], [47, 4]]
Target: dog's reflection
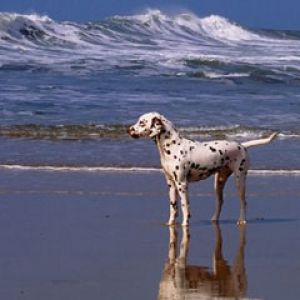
[[183, 281]]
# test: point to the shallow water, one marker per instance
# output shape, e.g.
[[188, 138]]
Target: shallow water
[[74, 235]]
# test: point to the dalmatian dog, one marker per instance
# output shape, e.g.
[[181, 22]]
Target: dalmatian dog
[[185, 161]]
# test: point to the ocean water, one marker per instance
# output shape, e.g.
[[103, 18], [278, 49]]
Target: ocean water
[[68, 90]]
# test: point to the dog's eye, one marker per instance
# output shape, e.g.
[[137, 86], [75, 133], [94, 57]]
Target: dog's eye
[[142, 124]]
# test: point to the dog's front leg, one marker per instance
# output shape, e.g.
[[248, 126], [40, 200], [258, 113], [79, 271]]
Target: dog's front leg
[[182, 188], [173, 202]]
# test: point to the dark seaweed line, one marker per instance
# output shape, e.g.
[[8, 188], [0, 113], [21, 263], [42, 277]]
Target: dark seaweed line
[[118, 131]]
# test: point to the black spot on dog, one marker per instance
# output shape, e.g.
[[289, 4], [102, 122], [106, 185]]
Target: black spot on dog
[[181, 152], [192, 148], [213, 170], [175, 175], [163, 131], [221, 152], [239, 147], [241, 168], [212, 149], [193, 165], [203, 169], [210, 172], [203, 176], [175, 157], [168, 152], [177, 167], [167, 135], [174, 142], [168, 145], [205, 145], [174, 205], [227, 158], [216, 143]]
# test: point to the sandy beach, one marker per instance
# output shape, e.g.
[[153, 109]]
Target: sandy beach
[[100, 235]]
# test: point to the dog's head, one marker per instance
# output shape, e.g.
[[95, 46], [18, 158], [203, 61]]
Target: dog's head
[[148, 125]]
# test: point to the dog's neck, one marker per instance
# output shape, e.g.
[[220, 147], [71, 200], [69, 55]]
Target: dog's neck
[[167, 140]]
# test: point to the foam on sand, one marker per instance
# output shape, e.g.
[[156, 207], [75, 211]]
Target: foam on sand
[[129, 169]]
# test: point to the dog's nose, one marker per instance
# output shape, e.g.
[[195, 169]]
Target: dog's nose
[[131, 132]]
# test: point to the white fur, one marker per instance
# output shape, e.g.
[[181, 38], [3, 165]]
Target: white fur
[[184, 161]]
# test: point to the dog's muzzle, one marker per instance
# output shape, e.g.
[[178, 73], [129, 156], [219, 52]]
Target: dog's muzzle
[[131, 132]]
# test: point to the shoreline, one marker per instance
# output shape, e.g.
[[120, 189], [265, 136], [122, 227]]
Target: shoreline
[[120, 169]]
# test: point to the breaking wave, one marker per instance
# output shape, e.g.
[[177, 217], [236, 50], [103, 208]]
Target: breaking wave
[[211, 47]]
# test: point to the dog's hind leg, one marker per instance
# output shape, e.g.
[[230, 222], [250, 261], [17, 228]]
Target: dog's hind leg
[[220, 180], [240, 168], [240, 179]]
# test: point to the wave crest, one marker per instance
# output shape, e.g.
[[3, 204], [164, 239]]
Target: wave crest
[[222, 29], [152, 42], [213, 27], [36, 28]]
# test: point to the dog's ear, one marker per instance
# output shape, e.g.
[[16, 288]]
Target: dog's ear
[[156, 126], [156, 122]]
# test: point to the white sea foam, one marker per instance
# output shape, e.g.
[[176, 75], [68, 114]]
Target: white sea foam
[[157, 39], [215, 75], [131, 170], [222, 29]]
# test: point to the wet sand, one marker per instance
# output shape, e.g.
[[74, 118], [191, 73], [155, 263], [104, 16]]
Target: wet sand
[[100, 235]]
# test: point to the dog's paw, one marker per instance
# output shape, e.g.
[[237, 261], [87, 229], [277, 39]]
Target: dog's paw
[[241, 222], [185, 224], [171, 223], [214, 220]]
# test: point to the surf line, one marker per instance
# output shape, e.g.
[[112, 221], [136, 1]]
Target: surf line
[[120, 169]]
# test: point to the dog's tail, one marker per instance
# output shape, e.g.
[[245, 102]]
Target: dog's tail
[[260, 141]]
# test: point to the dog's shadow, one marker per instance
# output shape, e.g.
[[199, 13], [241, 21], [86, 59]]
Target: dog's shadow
[[183, 281]]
